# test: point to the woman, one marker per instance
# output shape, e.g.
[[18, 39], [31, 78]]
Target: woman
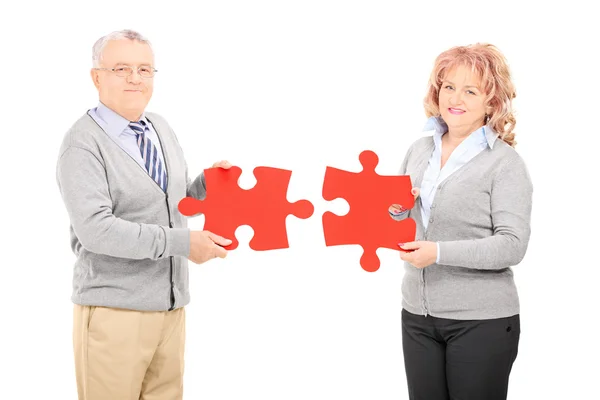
[[460, 317]]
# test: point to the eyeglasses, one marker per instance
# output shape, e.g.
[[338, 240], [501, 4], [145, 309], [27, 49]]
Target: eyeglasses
[[145, 71]]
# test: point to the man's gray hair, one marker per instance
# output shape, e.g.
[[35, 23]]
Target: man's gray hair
[[117, 35]]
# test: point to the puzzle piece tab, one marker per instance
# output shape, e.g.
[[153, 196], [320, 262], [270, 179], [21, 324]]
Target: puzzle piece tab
[[368, 222], [263, 207]]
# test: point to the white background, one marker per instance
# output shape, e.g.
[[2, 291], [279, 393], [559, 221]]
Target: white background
[[301, 85]]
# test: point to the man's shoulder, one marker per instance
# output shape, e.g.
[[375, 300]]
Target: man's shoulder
[[83, 133], [156, 118], [161, 125]]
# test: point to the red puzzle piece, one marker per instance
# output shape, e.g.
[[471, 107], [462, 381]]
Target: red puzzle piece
[[264, 207], [368, 222]]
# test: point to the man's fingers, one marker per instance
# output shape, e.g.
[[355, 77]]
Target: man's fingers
[[220, 252], [220, 240], [222, 164]]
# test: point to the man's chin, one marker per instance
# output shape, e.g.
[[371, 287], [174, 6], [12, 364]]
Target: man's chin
[[135, 106]]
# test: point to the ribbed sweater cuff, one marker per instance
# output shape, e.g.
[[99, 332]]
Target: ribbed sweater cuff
[[178, 242]]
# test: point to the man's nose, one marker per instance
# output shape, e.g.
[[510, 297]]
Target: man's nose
[[134, 77]]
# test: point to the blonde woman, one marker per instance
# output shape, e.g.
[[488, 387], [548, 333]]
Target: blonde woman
[[460, 317]]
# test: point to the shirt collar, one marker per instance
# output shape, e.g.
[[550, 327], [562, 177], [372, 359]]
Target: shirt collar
[[116, 124], [438, 125]]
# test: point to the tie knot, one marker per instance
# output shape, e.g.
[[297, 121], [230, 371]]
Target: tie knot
[[138, 127]]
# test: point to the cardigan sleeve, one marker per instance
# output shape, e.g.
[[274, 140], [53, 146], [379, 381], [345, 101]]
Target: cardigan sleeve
[[511, 203], [83, 186]]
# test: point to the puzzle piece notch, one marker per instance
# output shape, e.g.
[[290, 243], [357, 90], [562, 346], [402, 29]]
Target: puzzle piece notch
[[263, 207], [367, 223]]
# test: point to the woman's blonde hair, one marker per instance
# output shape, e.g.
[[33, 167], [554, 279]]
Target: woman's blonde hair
[[489, 64]]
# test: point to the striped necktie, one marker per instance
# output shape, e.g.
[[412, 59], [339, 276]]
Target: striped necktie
[[149, 152]]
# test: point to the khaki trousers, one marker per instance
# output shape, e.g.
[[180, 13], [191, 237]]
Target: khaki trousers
[[128, 355]]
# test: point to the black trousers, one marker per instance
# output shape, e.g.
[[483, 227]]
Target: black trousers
[[449, 359]]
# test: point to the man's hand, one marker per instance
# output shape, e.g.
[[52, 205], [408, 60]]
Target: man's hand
[[222, 164], [205, 245], [397, 209], [424, 254]]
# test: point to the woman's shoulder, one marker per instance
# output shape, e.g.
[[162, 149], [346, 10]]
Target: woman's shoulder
[[506, 152], [422, 143], [508, 161]]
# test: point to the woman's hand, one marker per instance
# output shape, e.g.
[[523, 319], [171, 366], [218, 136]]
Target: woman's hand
[[421, 254], [397, 209]]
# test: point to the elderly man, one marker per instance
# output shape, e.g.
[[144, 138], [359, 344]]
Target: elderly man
[[121, 173]]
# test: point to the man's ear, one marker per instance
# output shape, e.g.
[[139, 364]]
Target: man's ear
[[95, 78]]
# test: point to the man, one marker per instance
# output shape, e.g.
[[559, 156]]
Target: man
[[121, 174]]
